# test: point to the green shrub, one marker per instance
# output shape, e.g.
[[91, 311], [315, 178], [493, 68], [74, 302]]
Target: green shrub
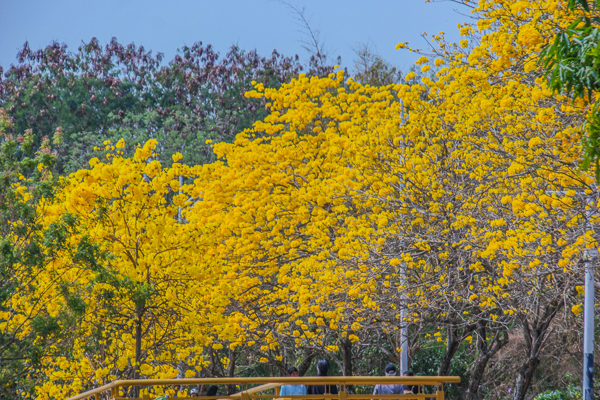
[[571, 392]]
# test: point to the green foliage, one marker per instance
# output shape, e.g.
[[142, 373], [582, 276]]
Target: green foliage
[[571, 392], [572, 4], [23, 181], [45, 325], [77, 101], [572, 62], [426, 362]]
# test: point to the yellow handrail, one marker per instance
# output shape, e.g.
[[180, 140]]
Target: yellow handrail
[[257, 389], [272, 382]]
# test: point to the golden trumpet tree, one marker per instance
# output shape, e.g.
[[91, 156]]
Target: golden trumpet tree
[[127, 265], [285, 197], [493, 204]]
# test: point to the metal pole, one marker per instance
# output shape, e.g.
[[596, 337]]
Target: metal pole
[[404, 329], [591, 257], [403, 317], [179, 209]]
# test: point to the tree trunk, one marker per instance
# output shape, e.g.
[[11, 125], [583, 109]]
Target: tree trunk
[[346, 346], [524, 377], [485, 353], [231, 370], [454, 341], [535, 333], [138, 348], [138, 345], [451, 348], [213, 362], [305, 364]]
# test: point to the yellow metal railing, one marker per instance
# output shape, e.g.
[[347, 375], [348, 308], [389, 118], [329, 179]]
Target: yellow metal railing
[[248, 390]]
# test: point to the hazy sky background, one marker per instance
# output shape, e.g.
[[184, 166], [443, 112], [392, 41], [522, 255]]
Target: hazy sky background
[[164, 26]]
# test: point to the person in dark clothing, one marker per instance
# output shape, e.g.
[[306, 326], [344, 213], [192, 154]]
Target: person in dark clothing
[[322, 369], [213, 390], [414, 389]]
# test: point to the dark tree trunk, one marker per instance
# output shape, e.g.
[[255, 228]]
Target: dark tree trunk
[[138, 347], [346, 346], [485, 352], [231, 370], [305, 364], [525, 375], [451, 348], [213, 363], [455, 338], [535, 333]]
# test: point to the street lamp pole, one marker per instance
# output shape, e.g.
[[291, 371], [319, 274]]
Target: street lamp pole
[[591, 257], [403, 320]]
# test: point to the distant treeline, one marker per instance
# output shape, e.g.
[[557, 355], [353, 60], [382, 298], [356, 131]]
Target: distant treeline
[[116, 91]]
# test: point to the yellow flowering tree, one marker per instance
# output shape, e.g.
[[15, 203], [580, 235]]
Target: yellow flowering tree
[[24, 179], [286, 209], [123, 259]]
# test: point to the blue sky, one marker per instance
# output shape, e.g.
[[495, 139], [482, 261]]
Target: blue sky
[[252, 24]]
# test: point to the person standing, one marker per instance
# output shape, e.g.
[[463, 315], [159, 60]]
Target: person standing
[[390, 370], [410, 389], [322, 369], [292, 390], [213, 391]]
